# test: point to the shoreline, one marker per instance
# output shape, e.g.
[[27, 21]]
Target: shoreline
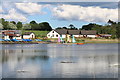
[[86, 41], [60, 43]]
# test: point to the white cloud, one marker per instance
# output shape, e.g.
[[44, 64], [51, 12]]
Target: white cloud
[[13, 15], [90, 14], [29, 8]]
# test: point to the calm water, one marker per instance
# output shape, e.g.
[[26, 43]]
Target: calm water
[[59, 61]]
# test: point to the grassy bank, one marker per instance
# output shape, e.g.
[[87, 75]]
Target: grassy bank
[[39, 34], [102, 41]]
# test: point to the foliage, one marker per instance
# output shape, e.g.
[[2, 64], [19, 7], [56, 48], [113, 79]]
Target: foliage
[[70, 27], [19, 25], [1, 26], [26, 26]]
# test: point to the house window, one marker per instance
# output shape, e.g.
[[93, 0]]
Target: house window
[[56, 35], [52, 35], [53, 31]]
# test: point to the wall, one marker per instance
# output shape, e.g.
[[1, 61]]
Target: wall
[[28, 36], [91, 36], [52, 34]]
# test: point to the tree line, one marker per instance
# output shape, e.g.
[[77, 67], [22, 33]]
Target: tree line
[[33, 25], [111, 27]]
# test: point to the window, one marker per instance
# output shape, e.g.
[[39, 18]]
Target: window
[[56, 35], [53, 31], [52, 35]]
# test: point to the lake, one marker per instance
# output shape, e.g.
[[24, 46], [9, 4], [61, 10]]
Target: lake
[[59, 61]]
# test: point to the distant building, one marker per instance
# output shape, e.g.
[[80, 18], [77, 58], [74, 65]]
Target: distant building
[[28, 35], [88, 33], [57, 33], [76, 33], [11, 34], [105, 35]]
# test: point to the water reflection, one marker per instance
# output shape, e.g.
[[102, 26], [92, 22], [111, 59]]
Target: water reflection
[[59, 61]]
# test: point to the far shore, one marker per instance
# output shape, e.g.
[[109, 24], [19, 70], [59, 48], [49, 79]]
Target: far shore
[[86, 41]]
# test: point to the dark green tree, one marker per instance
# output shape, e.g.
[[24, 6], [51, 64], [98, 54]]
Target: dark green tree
[[72, 27], [19, 25], [46, 26], [34, 25], [13, 22]]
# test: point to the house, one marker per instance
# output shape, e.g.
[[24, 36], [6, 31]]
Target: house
[[75, 33], [11, 34], [69, 33], [105, 35], [28, 35], [57, 33], [88, 33]]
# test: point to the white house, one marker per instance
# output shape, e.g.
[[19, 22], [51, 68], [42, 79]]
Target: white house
[[28, 35], [57, 33]]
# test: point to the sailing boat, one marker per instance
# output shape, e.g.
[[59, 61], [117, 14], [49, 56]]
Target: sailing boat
[[73, 39]]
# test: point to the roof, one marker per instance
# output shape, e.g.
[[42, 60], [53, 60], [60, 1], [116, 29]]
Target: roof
[[27, 33], [88, 32], [74, 32], [61, 31], [9, 33]]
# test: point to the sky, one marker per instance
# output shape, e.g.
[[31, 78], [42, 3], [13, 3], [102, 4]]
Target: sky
[[60, 14]]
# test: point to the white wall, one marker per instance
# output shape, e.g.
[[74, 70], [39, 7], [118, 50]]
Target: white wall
[[29, 36], [18, 37], [6, 37], [91, 36], [76, 35]]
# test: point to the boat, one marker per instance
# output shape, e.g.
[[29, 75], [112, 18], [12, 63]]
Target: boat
[[80, 43]]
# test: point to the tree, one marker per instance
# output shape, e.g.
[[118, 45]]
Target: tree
[[111, 22], [118, 30], [72, 27], [4, 23], [13, 22], [1, 26], [34, 25], [46, 26], [64, 27], [26, 26], [58, 28], [19, 25], [11, 26]]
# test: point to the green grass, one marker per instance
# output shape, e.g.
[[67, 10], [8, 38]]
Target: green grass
[[39, 34]]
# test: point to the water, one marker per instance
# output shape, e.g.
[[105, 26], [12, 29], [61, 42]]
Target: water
[[59, 61]]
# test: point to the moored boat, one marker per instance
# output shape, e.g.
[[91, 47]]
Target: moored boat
[[80, 43]]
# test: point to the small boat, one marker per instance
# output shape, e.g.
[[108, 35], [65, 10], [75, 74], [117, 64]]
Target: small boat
[[80, 43]]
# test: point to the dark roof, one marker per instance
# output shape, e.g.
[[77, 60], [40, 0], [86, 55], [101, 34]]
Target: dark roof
[[61, 31], [27, 33], [74, 32], [88, 32]]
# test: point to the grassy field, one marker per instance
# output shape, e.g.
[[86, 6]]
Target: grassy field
[[39, 34]]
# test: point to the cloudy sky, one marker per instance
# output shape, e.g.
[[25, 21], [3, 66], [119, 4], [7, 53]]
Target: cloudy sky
[[60, 14]]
